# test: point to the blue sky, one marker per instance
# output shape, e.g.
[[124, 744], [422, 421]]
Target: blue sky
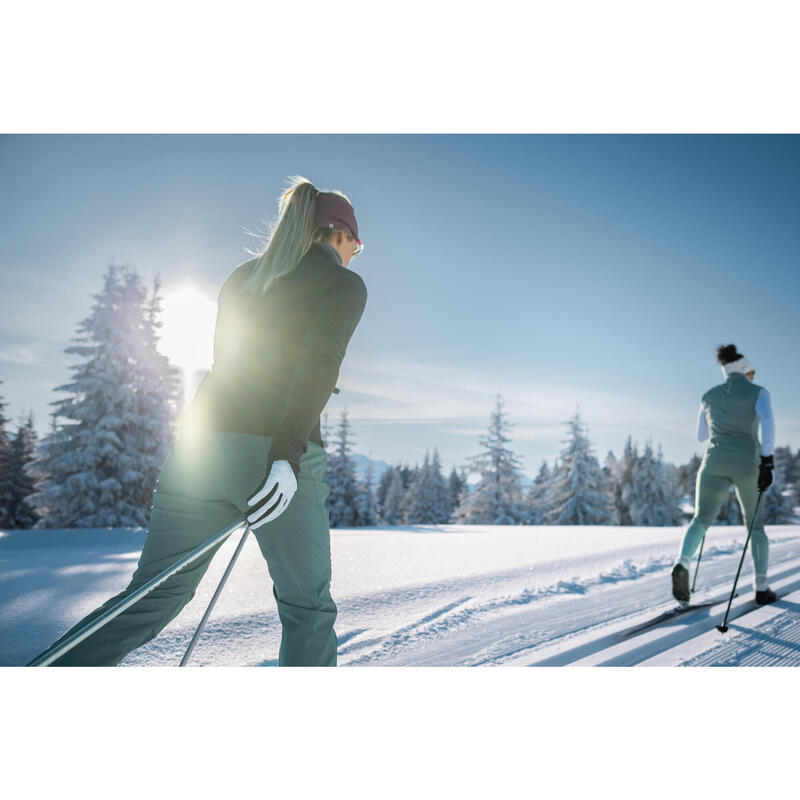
[[597, 272]]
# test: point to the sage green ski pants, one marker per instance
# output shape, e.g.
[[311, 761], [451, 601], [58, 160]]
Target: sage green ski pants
[[718, 472], [203, 487]]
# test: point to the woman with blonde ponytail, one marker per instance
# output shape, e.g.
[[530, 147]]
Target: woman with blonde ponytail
[[250, 441]]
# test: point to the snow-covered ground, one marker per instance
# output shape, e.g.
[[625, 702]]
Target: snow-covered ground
[[432, 595]]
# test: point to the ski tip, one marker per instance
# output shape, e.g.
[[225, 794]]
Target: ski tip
[[722, 628]]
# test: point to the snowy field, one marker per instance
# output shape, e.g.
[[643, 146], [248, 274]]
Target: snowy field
[[432, 595]]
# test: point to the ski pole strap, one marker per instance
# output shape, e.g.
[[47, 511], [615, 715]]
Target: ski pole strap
[[54, 652]]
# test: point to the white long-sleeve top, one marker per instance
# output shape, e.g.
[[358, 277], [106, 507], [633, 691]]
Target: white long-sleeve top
[[764, 411]]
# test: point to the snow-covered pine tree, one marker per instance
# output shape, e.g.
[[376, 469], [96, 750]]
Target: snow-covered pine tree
[[163, 393], [366, 510], [796, 490], [613, 467], [342, 478], [157, 383], [406, 475], [94, 471], [670, 472], [5, 468], [778, 504], [439, 496], [392, 504], [426, 500], [497, 499], [578, 495], [652, 501], [382, 488], [414, 508], [785, 466], [630, 456], [21, 482], [455, 485], [538, 496]]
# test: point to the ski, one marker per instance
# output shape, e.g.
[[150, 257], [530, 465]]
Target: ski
[[671, 614]]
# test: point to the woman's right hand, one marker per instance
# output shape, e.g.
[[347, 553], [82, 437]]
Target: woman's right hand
[[765, 472], [270, 500]]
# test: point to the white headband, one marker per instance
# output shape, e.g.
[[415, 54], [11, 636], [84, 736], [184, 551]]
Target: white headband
[[741, 365]]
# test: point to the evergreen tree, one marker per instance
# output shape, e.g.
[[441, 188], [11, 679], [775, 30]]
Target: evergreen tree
[[652, 500], [785, 466], [406, 475], [613, 469], [796, 484], [778, 504], [5, 469], [383, 488], [630, 456], [439, 492], [392, 504], [497, 499], [538, 496], [157, 384], [366, 511], [21, 482], [455, 485], [342, 479], [416, 501], [162, 389], [99, 468], [578, 495], [426, 500]]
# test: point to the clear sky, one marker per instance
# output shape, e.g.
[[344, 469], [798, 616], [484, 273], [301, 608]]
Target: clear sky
[[597, 272]]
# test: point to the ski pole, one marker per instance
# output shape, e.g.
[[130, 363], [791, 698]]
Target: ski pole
[[724, 627], [213, 601], [56, 651], [699, 556]]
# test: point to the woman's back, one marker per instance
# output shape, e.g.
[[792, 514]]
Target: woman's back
[[260, 340], [731, 408]]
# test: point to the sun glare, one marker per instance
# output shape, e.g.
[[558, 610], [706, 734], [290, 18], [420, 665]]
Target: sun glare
[[187, 336]]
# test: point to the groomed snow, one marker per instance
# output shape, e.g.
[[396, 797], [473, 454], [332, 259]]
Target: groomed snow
[[429, 595]]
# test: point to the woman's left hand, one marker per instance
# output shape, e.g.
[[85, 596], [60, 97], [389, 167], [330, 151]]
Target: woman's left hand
[[272, 498]]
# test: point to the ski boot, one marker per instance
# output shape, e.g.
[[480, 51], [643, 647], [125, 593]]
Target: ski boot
[[680, 583], [766, 596]]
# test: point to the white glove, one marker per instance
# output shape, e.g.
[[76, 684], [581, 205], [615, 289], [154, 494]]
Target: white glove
[[271, 499]]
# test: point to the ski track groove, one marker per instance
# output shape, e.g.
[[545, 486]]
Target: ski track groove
[[427, 638], [433, 628], [515, 643]]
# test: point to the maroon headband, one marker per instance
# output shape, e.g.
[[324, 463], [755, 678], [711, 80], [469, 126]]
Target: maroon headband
[[333, 211]]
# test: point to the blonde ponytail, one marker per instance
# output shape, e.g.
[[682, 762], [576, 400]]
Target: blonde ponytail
[[291, 236]]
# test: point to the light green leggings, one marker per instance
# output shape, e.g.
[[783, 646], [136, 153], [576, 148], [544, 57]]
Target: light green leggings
[[714, 481], [203, 487]]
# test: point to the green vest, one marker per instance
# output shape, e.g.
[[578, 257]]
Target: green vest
[[730, 410]]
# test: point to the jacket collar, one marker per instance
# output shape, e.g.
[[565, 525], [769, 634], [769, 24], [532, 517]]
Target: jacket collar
[[329, 252]]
